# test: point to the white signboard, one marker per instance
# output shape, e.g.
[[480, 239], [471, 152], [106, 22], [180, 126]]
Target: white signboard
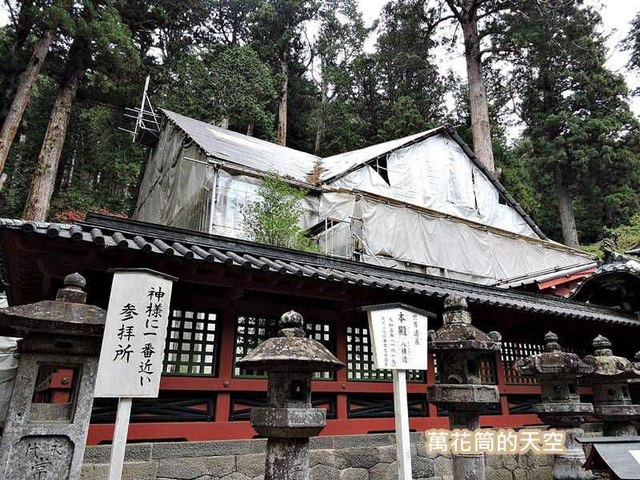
[[134, 335], [399, 337]]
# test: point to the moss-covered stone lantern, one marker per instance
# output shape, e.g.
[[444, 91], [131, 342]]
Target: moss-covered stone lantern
[[558, 374], [45, 436], [458, 346], [288, 421], [610, 384]]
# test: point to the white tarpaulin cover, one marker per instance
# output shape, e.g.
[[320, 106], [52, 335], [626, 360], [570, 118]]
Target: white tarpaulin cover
[[173, 182], [337, 164], [411, 236], [246, 151], [436, 174]]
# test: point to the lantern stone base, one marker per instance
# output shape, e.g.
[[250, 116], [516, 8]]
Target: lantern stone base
[[568, 466], [617, 412], [288, 422], [463, 397], [563, 414]]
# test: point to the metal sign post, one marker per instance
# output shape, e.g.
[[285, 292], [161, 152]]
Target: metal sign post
[[132, 347], [399, 340]]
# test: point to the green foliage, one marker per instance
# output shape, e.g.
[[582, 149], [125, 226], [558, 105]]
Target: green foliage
[[406, 65], [632, 44], [231, 83], [20, 164], [577, 118], [623, 237], [92, 175], [274, 218], [403, 119]]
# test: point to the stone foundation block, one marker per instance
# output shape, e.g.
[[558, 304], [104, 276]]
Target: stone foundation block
[[354, 474], [388, 454], [131, 471], [322, 457], [189, 468], [384, 471], [324, 472], [357, 458], [422, 467], [250, 465]]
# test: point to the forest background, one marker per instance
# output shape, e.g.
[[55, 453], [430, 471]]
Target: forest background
[[313, 75]]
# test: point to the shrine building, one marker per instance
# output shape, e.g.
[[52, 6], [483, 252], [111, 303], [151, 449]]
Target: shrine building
[[408, 221]]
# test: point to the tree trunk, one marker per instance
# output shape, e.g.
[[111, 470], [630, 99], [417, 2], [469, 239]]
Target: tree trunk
[[44, 177], [282, 104], [567, 218], [480, 126], [22, 96], [321, 120], [12, 70], [250, 128]]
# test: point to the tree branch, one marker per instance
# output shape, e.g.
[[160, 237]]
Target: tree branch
[[499, 8], [14, 20], [455, 11]]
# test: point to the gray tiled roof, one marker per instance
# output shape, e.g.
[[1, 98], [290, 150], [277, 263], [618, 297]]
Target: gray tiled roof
[[110, 232]]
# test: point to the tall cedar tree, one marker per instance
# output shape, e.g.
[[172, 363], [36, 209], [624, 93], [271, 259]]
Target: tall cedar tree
[[581, 135], [474, 18], [277, 27], [412, 89], [45, 18], [340, 42], [101, 43]]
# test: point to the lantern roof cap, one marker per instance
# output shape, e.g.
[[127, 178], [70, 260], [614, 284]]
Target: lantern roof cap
[[67, 314], [291, 350], [553, 362], [607, 365]]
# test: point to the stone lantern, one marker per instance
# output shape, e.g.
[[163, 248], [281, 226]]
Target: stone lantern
[[610, 384], [288, 421], [458, 346], [44, 438], [558, 374]]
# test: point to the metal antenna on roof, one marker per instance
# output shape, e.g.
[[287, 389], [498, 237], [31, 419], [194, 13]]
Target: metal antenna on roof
[[146, 130]]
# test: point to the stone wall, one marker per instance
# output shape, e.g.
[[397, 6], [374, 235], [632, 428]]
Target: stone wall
[[348, 457]]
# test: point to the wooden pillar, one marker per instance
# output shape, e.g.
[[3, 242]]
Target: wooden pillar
[[431, 379], [226, 356], [501, 381], [341, 375]]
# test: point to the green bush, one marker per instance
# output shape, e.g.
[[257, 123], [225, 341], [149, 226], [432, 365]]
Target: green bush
[[274, 217]]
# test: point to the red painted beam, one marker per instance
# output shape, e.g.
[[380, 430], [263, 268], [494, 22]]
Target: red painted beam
[[201, 431]]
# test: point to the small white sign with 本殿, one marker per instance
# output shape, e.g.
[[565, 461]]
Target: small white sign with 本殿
[[399, 338], [399, 335], [134, 335]]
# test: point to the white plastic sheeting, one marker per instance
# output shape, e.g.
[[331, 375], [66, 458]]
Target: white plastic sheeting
[[342, 162], [9, 361], [436, 174], [411, 236], [246, 151], [173, 183]]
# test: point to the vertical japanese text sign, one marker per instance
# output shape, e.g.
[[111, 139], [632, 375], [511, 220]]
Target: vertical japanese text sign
[[399, 337], [134, 335]]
